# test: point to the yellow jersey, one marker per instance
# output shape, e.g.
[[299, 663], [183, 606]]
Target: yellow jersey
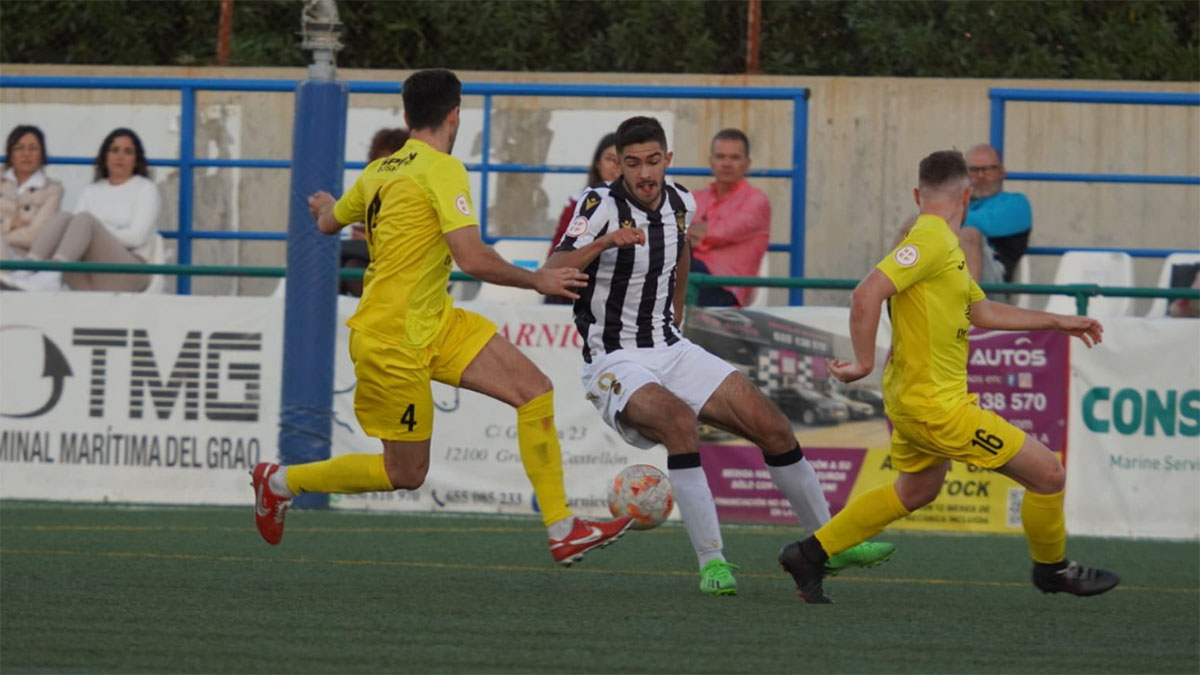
[[926, 376], [408, 202]]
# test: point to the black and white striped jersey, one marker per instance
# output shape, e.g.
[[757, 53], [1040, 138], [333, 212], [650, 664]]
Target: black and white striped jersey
[[627, 303]]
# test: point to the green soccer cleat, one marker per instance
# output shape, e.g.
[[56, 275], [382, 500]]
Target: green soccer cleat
[[866, 554], [716, 578]]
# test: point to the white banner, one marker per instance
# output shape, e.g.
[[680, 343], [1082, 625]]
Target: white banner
[[172, 399], [139, 398], [1133, 467], [475, 464]]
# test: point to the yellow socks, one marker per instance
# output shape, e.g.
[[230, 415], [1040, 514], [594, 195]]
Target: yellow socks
[[862, 519], [538, 438], [345, 474], [1045, 526]]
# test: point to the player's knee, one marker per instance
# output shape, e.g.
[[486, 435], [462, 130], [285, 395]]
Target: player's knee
[[918, 494], [407, 477], [679, 429], [534, 386], [1053, 481], [780, 437]]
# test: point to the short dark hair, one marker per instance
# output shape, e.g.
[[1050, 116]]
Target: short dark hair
[[640, 130], [942, 168], [385, 142], [606, 141], [429, 96], [732, 135], [17, 134], [140, 168]]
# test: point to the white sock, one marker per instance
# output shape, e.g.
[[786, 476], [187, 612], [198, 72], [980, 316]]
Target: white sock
[[696, 506], [278, 483], [799, 483], [559, 529]]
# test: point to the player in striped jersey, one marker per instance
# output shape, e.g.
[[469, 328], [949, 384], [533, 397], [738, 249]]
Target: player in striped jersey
[[649, 382]]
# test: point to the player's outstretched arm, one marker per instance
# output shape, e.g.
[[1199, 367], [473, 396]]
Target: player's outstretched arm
[[865, 306], [482, 262], [320, 204], [999, 316], [584, 255]]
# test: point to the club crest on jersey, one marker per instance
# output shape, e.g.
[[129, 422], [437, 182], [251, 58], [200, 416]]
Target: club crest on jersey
[[681, 219], [577, 227], [463, 206], [625, 224], [906, 256], [590, 203]]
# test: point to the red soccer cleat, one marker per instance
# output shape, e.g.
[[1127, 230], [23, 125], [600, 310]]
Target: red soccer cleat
[[587, 535], [269, 508]]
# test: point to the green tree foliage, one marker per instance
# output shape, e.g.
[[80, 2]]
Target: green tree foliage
[[1122, 39]]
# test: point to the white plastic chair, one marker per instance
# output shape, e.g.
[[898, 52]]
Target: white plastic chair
[[158, 256], [1103, 268], [1021, 275], [758, 294], [522, 253], [1158, 308]]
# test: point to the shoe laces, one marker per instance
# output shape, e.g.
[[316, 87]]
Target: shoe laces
[[1074, 570], [721, 568], [281, 510]]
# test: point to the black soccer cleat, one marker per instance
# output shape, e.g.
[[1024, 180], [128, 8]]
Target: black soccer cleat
[[1075, 579], [808, 577]]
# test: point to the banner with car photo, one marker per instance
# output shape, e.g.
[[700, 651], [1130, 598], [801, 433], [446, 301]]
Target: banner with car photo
[[784, 350]]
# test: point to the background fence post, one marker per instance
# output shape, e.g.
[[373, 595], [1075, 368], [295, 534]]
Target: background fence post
[[310, 306]]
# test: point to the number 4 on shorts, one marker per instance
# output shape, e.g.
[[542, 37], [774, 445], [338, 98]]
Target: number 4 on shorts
[[409, 418]]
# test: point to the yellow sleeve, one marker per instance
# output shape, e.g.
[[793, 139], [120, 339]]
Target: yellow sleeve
[[450, 194], [977, 293], [350, 207], [921, 254]]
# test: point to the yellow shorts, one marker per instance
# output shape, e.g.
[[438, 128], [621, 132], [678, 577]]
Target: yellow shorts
[[393, 400], [967, 434]]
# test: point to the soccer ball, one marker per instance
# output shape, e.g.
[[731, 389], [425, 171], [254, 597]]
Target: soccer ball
[[641, 491]]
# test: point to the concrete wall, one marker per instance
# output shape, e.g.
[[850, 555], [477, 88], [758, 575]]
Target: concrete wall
[[866, 136]]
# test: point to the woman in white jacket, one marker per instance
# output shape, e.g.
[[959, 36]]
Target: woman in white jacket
[[113, 223]]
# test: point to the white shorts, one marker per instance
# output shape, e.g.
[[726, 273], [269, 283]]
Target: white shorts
[[684, 369]]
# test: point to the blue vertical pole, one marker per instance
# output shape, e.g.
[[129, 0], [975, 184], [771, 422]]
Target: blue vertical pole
[[996, 132], [482, 207], [187, 153], [799, 192], [310, 307]]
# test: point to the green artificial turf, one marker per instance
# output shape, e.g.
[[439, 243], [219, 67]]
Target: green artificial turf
[[123, 589]]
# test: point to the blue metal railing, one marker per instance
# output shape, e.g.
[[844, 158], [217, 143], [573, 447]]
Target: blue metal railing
[[187, 161], [1133, 252], [1000, 97]]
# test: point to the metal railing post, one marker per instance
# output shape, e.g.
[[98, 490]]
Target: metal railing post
[[484, 166], [799, 193], [996, 132], [1081, 303], [187, 152]]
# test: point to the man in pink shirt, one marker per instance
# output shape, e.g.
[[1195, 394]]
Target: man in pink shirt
[[733, 222]]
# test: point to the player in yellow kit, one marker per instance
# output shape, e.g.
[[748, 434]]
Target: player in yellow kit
[[416, 205], [933, 302]]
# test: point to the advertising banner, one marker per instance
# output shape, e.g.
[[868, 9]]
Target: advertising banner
[[172, 399], [162, 399], [1135, 431]]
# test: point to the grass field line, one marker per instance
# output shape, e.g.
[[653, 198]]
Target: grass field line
[[367, 562], [209, 528]]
